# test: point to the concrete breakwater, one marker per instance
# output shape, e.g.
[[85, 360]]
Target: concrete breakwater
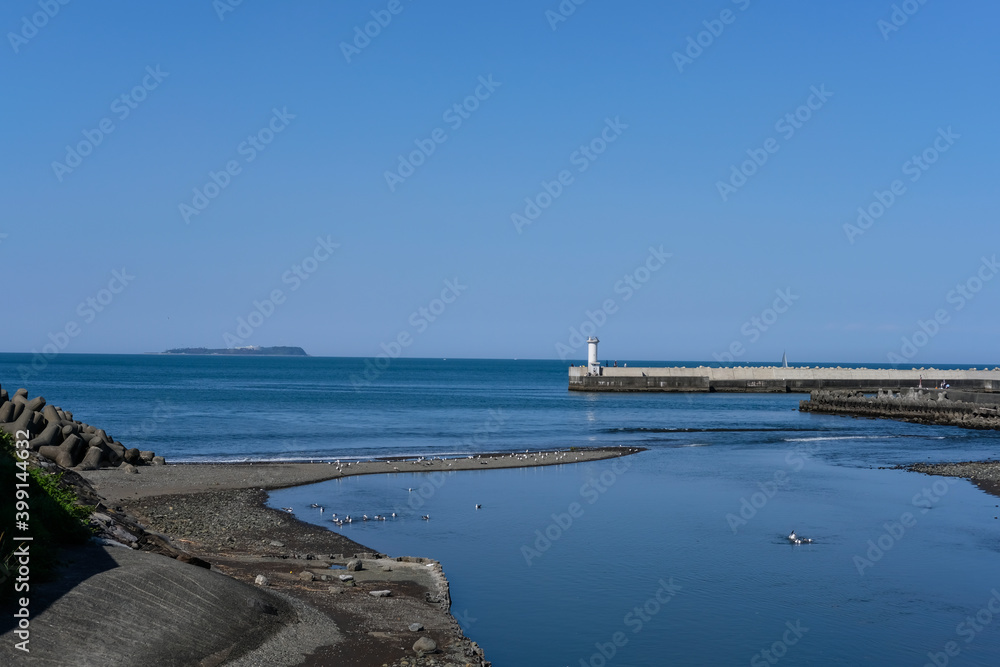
[[777, 379], [54, 434], [928, 406]]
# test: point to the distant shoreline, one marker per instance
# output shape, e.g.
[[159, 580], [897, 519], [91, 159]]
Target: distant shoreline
[[253, 351]]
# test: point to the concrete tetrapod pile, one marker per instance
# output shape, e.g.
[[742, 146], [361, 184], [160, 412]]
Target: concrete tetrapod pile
[[927, 406], [54, 434]]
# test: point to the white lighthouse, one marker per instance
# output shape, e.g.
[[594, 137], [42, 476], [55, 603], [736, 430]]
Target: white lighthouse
[[593, 365]]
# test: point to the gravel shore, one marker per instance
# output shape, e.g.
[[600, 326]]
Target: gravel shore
[[984, 474]]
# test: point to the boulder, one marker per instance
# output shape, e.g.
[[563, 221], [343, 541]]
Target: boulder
[[346, 577], [261, 580], [131, 455], [159, 461], [380, 594], [306, 575], [415, 627], [146, 456], [353, 565], [425, 645], [129, 469]]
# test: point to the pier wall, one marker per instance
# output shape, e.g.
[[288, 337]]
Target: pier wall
[[749, 379], [934, 406]]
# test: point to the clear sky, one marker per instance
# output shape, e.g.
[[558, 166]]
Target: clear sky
[[626, 124]]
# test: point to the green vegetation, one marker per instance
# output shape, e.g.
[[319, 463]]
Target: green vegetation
[[55, 517]]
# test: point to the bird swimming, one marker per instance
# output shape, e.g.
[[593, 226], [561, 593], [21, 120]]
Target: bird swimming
[[478, 506], [426, 517], [796, 539]]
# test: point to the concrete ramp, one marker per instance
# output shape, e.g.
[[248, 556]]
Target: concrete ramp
[[115, 606]]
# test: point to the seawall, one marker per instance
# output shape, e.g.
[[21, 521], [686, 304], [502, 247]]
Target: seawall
[[934, 406], [776, 379]]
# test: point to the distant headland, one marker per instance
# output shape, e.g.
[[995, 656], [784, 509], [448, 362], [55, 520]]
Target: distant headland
[[250, 350]]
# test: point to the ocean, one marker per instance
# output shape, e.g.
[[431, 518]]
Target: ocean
[[677, 555]]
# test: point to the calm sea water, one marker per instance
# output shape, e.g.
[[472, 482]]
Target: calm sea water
[[678, 557]]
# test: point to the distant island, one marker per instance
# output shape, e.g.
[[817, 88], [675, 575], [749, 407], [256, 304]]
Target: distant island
[[250, 350]]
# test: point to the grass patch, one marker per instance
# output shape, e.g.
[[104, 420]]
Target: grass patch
[[55, 517]]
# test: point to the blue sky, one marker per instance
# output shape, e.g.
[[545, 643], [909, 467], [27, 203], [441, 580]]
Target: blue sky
[[199, 82]]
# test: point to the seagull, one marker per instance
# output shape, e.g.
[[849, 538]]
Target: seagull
[[287, 509], [393, 515], [795, 539], [478, 506], [364, 516], [426, 517]]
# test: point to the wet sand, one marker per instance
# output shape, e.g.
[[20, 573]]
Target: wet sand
[[198, 477]]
